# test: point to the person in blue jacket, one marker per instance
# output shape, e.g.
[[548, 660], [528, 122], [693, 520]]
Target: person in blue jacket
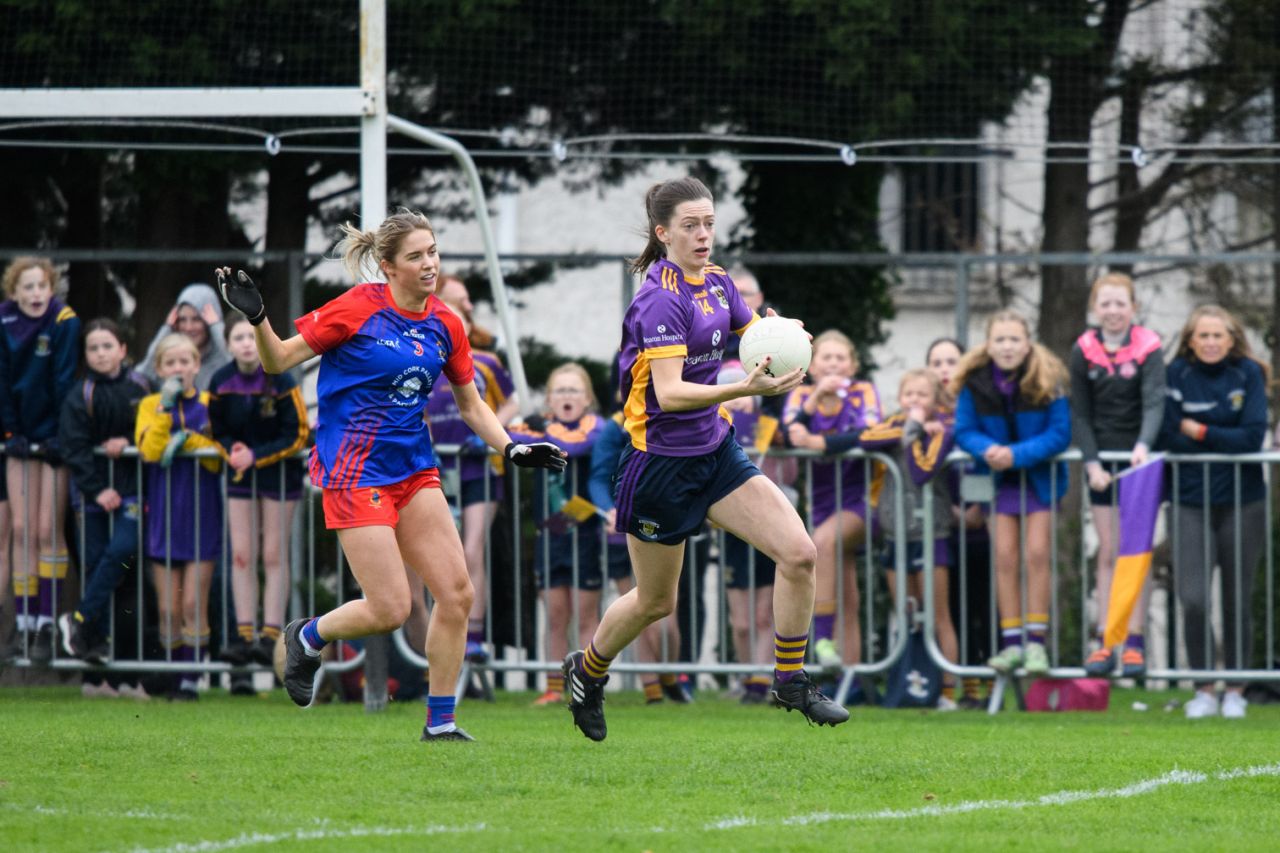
[[39, 351], [1216, 403], [1012, 416]]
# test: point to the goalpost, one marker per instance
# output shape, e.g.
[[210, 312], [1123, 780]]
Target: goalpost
[[368, 103]]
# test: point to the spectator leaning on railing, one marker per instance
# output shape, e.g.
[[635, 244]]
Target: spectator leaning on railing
[[1217, 403]]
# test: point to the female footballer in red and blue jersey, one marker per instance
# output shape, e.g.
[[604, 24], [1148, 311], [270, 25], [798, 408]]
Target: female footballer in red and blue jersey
[[382, 348], [683, 465]]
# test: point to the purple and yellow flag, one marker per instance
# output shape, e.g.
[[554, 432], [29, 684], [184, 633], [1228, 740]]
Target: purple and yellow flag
[[1139, 503]]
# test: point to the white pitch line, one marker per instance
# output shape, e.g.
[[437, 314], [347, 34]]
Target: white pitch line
[[256, 839], [131, 814], [1145, 786]]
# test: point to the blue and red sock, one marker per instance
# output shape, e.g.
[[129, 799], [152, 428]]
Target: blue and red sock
[[311, 639], [440, 711]]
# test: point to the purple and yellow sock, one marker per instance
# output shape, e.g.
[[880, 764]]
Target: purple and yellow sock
[[972, 688], [555, 682], [51, 570], [270, 632], [26, 604], [756, 684], [788, 656], [1010, 632], [311, 639], [1037, 627], [824, 620], [245, 630], [594, 664], [668, 679], [949, 690], [440, 714], [1136, 642], [652, 689]]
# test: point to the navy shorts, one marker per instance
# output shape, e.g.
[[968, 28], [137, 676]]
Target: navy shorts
[[473, 491], [737, 565], [1105, 497], [665, 499], [915, 555], [558, 548]]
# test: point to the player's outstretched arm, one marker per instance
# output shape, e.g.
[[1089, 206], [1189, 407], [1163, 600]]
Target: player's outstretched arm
[[484, 423], [242, 294]]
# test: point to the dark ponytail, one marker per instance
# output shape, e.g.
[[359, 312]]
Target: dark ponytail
[[660, 204]]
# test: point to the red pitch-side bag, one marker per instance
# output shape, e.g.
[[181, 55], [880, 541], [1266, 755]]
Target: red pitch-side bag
[[1069, 694]]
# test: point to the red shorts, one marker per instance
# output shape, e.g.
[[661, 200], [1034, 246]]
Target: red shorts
[[374, 506]]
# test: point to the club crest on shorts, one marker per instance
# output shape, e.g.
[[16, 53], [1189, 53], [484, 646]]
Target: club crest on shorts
[[375, 499], [648, 528]]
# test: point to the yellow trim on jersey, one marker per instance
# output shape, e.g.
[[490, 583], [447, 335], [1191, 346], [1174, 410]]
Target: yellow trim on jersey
[[154, 427], [754, 317], [635, 410], [300, 441], [573, 436], [66, 313], [927, 458], [670, 280], [714, 268]]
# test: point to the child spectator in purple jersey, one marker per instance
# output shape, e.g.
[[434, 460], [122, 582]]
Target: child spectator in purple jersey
[[567, 563], [828, 416], [39, 349], [919, 437], [471, 479], [1117, 403], [382, 348], [683, 466], [970, 544], [1012, 417], [182, 503], [100, 413], [261, 422]]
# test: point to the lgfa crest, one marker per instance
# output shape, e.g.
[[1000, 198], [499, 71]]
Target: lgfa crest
[[649, 529], [1236, 399], [42, 345]]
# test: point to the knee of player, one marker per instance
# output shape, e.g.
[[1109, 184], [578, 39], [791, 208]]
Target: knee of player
[[659, 606], [800, 555]]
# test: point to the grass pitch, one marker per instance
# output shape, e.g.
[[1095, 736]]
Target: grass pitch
[[231, 773]]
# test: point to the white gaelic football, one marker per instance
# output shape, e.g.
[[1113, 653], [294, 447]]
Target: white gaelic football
[[779, 337]]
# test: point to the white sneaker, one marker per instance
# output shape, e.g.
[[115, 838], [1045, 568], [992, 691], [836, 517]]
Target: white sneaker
[[945, 704], [98, 691], [1205, 704], [133, 691], [1234, 706], [828, 657]]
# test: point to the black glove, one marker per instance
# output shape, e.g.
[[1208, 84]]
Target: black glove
[[17, 446], [242, 295], [542, 454]]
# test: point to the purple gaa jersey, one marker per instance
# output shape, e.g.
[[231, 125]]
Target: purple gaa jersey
[[674, 317], [859, 409], [378, 366]]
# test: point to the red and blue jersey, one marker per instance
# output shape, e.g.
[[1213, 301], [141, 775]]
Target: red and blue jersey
[[378, 365], [673, 316]]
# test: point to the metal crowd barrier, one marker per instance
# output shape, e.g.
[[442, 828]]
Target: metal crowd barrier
[[320, 582]]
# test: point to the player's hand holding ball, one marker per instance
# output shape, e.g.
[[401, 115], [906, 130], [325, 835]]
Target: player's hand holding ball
[[241, 294], [777, 350], [541, 454]]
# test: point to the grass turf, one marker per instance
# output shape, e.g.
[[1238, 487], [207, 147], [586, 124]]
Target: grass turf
[[235, 773]]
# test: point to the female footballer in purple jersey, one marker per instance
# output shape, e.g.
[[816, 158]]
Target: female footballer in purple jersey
[[382, 348], [683, 465]]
